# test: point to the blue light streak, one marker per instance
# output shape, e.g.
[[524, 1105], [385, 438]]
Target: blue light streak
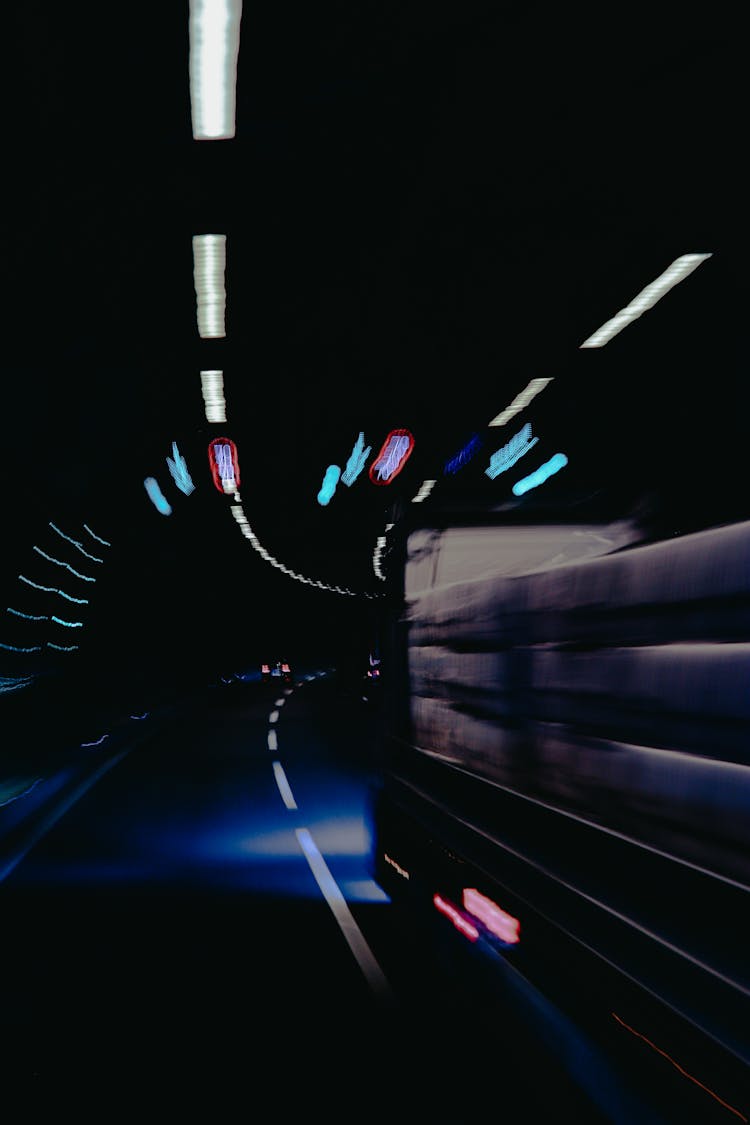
[[330, 480], [97, 537], [54, 590], [28, 616], [356, 462], [75, 543], [85, 577]]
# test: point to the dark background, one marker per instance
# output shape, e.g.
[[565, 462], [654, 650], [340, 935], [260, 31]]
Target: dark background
[[426, 205]]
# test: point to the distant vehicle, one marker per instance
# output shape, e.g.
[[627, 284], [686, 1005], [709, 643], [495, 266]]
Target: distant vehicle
[[280, 670]]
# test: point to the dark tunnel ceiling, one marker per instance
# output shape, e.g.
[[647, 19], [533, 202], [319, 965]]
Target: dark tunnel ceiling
[[426, 206]]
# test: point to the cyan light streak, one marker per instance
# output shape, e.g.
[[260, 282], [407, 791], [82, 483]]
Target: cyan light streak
[[559, 461], [29, 616], [356, 462], [18, 648], [54, 590], [85, 577], [14, 683], [68, 624], [62, 648], [75, 543], [506, 457], [328, 487], [156, 496], [97, 537], [179, 470]]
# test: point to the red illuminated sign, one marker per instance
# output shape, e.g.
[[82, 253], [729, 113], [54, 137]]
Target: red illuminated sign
[[392, 457], [225, 468]]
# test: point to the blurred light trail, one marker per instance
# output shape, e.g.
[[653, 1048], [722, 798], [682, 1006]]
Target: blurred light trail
[[98, 741], [157, 497], [69, 624], [284, 787], [394, 454], [646, 299], [463, 456], [225, 466], [85, 577], [497, 920], [97, 537], [76, 544], [214, 34], [29, 616], [425, 489], [18, 648], [462, 924], [14, 683], [335, 899], [54, 590], [328, 487], [212, 388], [505, 458], [179, 470], [356, 462], [559, 461], [209, 264], [531, 390], [62, 648]]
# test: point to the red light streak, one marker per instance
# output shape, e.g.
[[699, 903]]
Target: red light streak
[[497, 921], [462, 924], [678, 1067], [393, 455]]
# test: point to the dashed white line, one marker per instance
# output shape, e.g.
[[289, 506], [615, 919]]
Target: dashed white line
[[284, 787], [272, 740], [351, 931]]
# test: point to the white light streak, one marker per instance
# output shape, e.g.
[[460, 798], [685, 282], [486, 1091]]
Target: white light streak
[[214, 33], [209, 264], [425, 489], [646, 299], [85, 577], [520, 401], [212, 388], [284, 787]]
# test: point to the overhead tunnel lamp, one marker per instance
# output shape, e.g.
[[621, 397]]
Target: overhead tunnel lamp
[[214, 32]]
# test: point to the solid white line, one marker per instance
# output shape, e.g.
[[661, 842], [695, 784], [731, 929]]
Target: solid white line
[[351, 931], [284, 787]]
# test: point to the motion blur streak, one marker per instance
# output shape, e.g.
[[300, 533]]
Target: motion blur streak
[[209, 263], [54, 590], [333, 896], [212, 389], [520, 401], [85, 577], [646, 299], [157, 497], [678, 1067], [214, 30], [284, 786], [75, 543], [540, 475], [97, 537], [456, 917]]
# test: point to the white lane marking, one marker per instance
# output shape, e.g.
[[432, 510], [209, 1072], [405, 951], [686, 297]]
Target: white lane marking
[[351, 931], [284, 787], [273, 716], [279, 702], [272, 740]]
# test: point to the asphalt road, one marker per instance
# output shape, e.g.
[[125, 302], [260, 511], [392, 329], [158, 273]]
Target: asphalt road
[[191, 916]]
